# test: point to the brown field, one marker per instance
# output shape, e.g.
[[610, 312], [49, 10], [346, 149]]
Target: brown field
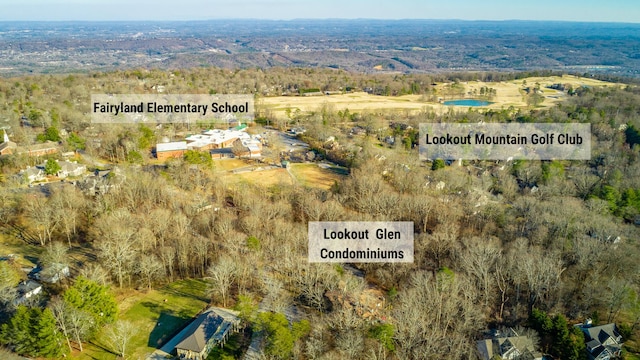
[[266, 178], [508, 94], [229, 164], [309, 175], [312, 175]]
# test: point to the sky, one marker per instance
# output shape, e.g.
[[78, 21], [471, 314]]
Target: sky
[[104, 10]]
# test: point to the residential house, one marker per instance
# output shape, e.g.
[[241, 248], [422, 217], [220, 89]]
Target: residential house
[[67, 168], [33, 174], [50, 274], [508, 345], [70, 168], [101, 182], [603, 342], [169, 150], [27, 290], [208, 330]]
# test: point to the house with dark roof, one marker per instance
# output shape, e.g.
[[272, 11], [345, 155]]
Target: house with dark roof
[[603, 342], [208, 330], [507, 345], [26, 290]]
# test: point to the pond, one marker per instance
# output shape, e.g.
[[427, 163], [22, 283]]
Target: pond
[[468, 102]]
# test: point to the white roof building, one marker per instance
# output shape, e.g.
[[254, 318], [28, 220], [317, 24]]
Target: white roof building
[[171, 146]]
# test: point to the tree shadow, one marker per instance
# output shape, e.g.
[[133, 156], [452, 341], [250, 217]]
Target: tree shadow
[[168, 325]]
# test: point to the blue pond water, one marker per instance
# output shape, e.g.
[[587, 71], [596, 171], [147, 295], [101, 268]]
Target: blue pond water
[[468, 102]]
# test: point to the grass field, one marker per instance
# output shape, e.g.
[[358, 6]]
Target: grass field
[[155, 319], [508, 94], [312, 175], [28, 255]]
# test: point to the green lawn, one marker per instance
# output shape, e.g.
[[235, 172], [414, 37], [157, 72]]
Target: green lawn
[[156, 320]]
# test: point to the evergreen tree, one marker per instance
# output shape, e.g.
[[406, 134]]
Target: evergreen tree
[[51, 167], [93, 298], [49, 342], [17, 332]]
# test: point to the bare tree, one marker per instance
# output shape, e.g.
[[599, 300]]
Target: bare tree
[[116, 244], [60, 309], [149, 267], [478, 259], [119, 335], [44, 217], [221, 276], [538, 270], [95, 273], [69, 201]]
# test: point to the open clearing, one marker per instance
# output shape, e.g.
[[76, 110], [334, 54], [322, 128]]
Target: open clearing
[[312, 175], [155, 319], [229, 164], [509, 93], [266, 178], [308, 174]]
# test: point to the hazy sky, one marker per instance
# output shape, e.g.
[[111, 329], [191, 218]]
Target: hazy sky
[[572, 10]]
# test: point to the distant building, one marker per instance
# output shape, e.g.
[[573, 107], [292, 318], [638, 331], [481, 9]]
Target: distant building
[[208, 330], [46, 148], [169, 150], [212, 141], [7, 147]]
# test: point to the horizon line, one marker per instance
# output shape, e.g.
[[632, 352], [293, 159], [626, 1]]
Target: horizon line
[[322, 19]]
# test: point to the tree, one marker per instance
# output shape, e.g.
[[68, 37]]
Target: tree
[[55, 260], [76, 142], [238, 149], [17, 332], [44, 217], [33, 332], [437, 164], [70, 202], [52, 167], [8, 281], [280, 337], [119, 335], [92, 298], [75, 324], [221, 276], [149, 267], [116, 243], [247, 307], [384, 334], [48, 339]]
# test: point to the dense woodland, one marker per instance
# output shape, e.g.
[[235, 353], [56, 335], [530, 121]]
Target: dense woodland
[[498, 244]]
